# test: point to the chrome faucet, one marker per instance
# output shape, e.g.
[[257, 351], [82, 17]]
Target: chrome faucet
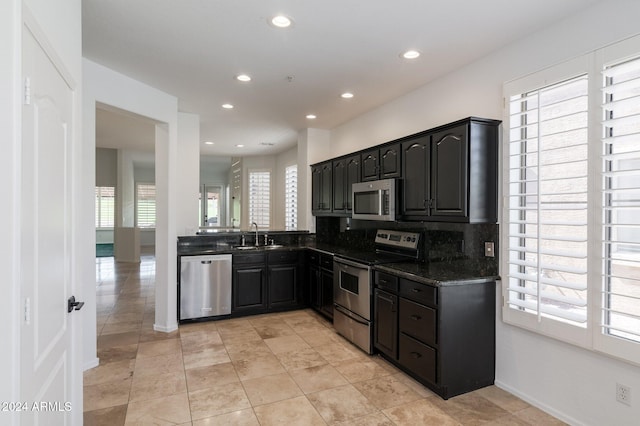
[[256, 225]]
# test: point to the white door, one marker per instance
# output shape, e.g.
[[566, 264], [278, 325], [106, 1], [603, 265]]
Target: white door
[[49, 368]]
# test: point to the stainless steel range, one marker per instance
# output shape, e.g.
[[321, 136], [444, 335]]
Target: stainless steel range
[[353, 282]]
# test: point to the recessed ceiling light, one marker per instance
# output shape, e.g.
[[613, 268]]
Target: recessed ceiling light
[[281, 21], [311, 116], [347, 95], [239, 146], [410, 54], [243, 77], [209, 143], [227, 106]]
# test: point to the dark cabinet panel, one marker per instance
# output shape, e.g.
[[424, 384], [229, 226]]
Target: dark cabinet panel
[[326, 284], [449, 170], [390, 159], [385, 328], [320, 267], [282, 285], [370, 164], [415, 165], [321, 188], [381, 163], [346, 172], [249, 289]]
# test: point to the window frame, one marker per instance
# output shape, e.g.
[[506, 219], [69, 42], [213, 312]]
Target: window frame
[[592, 336]]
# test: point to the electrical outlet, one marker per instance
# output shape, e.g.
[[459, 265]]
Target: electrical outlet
[[489, 249], [623, 394]]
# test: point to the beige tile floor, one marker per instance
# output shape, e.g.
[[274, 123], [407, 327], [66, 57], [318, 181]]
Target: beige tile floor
[[277, 369]]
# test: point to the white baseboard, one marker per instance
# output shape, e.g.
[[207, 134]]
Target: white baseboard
[[91, 364], [544, 407], [167, 329]]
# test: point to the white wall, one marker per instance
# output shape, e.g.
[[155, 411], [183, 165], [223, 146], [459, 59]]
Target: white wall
[[108, 87], [189, 176], [572, 383], [313, 146]]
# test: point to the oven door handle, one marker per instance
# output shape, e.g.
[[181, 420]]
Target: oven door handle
[[348, 314], [342, 261]]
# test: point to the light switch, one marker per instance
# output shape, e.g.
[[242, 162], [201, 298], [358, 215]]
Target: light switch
[[489, 249]]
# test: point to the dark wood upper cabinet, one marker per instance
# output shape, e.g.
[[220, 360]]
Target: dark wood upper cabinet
[[321, 188], [346, 172], [448, 174], [415, 194], [370, 164], [451, 174], [381, 163], [390, 159]]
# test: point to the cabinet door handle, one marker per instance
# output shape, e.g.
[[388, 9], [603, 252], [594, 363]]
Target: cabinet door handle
[[415, 317], [416, 355], [416, 290]]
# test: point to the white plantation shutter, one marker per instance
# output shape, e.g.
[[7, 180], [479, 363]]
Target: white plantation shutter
[[260, 198], [546, 208], [105, 203], [145, 205], [291, 198], [570, 257], [620, 305]]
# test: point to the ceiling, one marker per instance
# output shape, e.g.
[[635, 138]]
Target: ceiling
[[193, 49]]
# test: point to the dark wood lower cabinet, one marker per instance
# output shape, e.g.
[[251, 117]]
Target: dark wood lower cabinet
[[445, 335], [249, 289], [385, 322], [264, 282], [320, 275]]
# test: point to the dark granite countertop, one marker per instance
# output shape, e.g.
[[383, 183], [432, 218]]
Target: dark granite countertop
[[454, 272], [438, 273]]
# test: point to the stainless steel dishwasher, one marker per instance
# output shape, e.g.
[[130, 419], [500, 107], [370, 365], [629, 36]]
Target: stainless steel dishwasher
[[205, 286]]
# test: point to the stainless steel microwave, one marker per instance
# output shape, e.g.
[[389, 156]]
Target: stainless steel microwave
[[375, 200]]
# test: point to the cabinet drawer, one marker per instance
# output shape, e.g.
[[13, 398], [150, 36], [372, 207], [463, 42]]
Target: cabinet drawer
[[417, 321], [417, 357], [386, 281], [313, 257], [248, 258], [282, 257], [418, 292], [326, 261]]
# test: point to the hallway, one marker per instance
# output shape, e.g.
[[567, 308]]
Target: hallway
[[284, 368]]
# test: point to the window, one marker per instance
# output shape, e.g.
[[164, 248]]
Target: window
[[571, 211], [145, 205], [105, 206], [260, 198], [621, 201], [291, 198]]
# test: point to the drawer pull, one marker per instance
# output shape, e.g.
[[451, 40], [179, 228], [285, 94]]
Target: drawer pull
[[416, 355], [416, 290], [416, 317]]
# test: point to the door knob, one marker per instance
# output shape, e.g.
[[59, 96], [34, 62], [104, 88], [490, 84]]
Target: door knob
[[72, 304]]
